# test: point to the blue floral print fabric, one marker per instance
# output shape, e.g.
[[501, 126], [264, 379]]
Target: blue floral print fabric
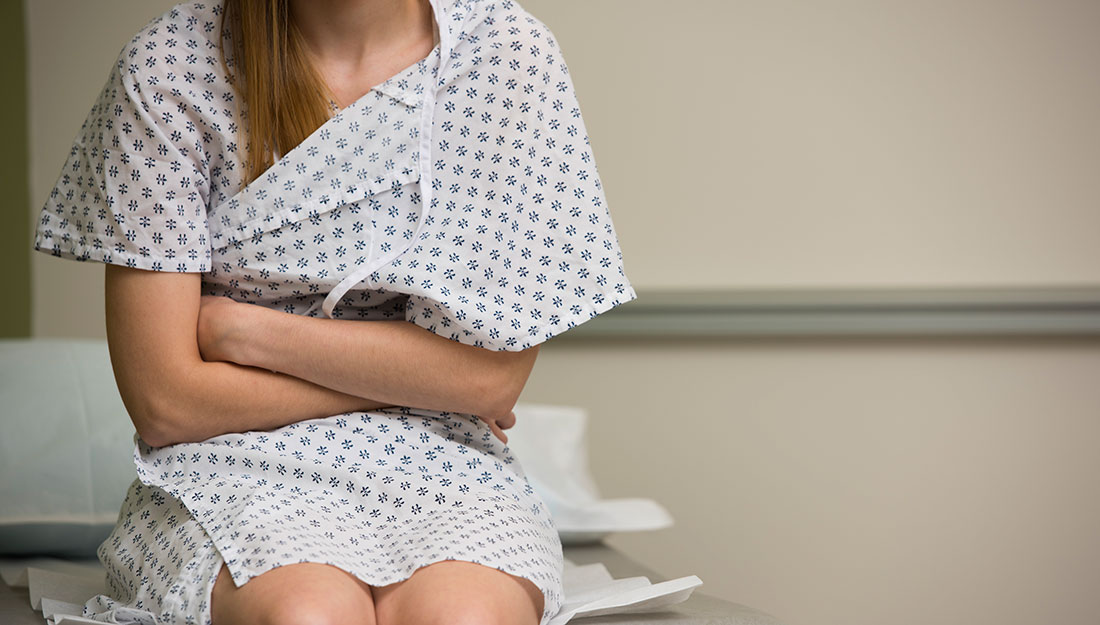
[[460, 195]]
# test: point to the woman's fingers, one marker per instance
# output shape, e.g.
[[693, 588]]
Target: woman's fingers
[[497, 431], [499, 424]]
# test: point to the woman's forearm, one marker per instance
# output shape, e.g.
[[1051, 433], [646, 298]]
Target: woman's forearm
[[392, 361], [237, 398], [170, 391]]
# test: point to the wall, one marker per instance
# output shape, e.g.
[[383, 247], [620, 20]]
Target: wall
[[841, 143], [855, 482], [70, 48], [828, 481], [15, 315]]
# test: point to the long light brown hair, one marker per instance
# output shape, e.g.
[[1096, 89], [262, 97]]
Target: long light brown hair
[[285, 98]]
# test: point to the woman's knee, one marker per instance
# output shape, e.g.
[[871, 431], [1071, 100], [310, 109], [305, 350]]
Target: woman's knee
[[488, 613], [459, 593], [291, 595], [308, 610], [475, 611]]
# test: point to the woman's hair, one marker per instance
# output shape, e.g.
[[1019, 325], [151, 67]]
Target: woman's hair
[[285, 99]]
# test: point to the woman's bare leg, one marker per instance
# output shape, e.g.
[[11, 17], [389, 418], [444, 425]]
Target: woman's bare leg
[[294, 594], [454, 592]]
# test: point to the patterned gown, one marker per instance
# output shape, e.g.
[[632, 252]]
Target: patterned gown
[[460, 195]]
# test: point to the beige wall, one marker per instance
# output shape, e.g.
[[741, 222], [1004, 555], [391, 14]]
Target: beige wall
[[843, 142], [837, 143], [894, 482], [70, 48]]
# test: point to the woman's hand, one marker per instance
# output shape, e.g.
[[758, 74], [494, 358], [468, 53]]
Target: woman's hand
[[498, 425], [221, 323]]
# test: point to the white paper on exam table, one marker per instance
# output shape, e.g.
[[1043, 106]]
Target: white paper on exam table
[[591, 591], [59, 589]]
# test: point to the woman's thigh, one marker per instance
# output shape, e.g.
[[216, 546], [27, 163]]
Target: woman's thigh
[[459, 593], [309, 592]]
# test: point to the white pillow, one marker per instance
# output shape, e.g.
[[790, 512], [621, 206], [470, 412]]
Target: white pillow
[[66, 447], [550, 443]]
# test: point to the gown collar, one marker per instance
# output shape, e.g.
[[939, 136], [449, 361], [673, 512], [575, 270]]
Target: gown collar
[[253, 210], [327, 170]]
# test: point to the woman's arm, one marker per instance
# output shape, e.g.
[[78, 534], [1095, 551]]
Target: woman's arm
[[172, 395], [393, 361]]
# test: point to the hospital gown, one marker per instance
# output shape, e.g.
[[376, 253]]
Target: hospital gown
[[460, 195]]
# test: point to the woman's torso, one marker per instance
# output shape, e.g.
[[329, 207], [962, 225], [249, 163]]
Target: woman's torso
[[346, 196]]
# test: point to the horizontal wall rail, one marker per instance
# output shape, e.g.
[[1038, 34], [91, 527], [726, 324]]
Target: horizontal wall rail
[[851, 312]]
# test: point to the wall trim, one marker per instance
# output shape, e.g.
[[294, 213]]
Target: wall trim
[[851, 312]]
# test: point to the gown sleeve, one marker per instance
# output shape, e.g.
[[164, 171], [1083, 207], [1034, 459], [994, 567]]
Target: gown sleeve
[[133, 190], [521, 246]]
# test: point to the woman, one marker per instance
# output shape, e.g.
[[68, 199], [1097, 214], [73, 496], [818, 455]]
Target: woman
[[335, 235]]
